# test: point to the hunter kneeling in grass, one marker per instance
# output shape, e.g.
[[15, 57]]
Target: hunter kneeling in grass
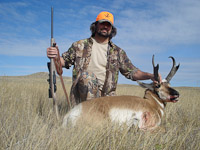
[[97, 62]]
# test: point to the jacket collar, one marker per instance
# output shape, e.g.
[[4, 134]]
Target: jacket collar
[[111, 44]]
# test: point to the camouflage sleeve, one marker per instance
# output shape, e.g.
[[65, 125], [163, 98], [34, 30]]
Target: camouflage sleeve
[[69, 56], [126, 67]]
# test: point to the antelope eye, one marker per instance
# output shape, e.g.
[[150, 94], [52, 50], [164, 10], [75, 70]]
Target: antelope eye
[[157, 85]]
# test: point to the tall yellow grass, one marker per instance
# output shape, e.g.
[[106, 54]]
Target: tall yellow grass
[[27, 122]]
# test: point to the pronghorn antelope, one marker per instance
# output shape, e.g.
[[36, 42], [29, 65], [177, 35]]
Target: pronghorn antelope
[[145, 113]]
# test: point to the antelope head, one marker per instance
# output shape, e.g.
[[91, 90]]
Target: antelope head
[[162, 88]]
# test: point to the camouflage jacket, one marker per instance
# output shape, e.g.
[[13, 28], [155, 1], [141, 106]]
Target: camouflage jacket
[[79, 55]]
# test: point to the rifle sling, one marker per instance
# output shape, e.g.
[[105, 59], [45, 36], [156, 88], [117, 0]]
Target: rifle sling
[[59, 70]]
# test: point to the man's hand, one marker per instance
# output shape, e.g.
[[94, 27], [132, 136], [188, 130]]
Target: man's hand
[[52, 52], [140, 75], [159, 76]]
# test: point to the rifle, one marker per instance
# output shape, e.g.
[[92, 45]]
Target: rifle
[[52, 72], [55, 65]]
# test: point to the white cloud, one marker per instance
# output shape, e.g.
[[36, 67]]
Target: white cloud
[[169, 22], [11, 11], [29, 47]]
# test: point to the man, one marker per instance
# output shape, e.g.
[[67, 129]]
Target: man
[[97, 62]]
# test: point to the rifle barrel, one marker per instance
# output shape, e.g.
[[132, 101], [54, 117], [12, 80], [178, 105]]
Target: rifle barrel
[[51, 22]]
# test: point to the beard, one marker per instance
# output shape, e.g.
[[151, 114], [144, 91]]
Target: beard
[[103, 34]]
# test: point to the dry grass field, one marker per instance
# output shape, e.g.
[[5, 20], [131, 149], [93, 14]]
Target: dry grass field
[[27, 121]]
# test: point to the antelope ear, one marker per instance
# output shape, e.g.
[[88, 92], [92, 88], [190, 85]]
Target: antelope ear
[[145, 85]]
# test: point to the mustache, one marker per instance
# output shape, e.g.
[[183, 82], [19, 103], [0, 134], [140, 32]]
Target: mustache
[[104, 28]]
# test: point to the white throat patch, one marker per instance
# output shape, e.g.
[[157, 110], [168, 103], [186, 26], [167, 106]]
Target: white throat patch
[[161, 105]]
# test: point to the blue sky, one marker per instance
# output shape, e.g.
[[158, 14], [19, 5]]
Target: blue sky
[[144, 27]]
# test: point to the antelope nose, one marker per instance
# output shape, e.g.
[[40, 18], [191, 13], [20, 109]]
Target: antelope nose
[[177, 93], [174, 92]]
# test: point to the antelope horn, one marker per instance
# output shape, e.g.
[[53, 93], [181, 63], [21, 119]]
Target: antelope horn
[[173, 70], [155, 70]]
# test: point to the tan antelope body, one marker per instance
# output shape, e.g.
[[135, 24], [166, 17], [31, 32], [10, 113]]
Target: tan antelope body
[[145, 113]]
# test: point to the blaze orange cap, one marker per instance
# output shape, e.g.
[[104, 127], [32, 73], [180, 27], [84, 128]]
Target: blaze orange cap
[[105, 16]]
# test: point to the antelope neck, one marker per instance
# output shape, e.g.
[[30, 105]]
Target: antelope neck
[[157, 101]]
